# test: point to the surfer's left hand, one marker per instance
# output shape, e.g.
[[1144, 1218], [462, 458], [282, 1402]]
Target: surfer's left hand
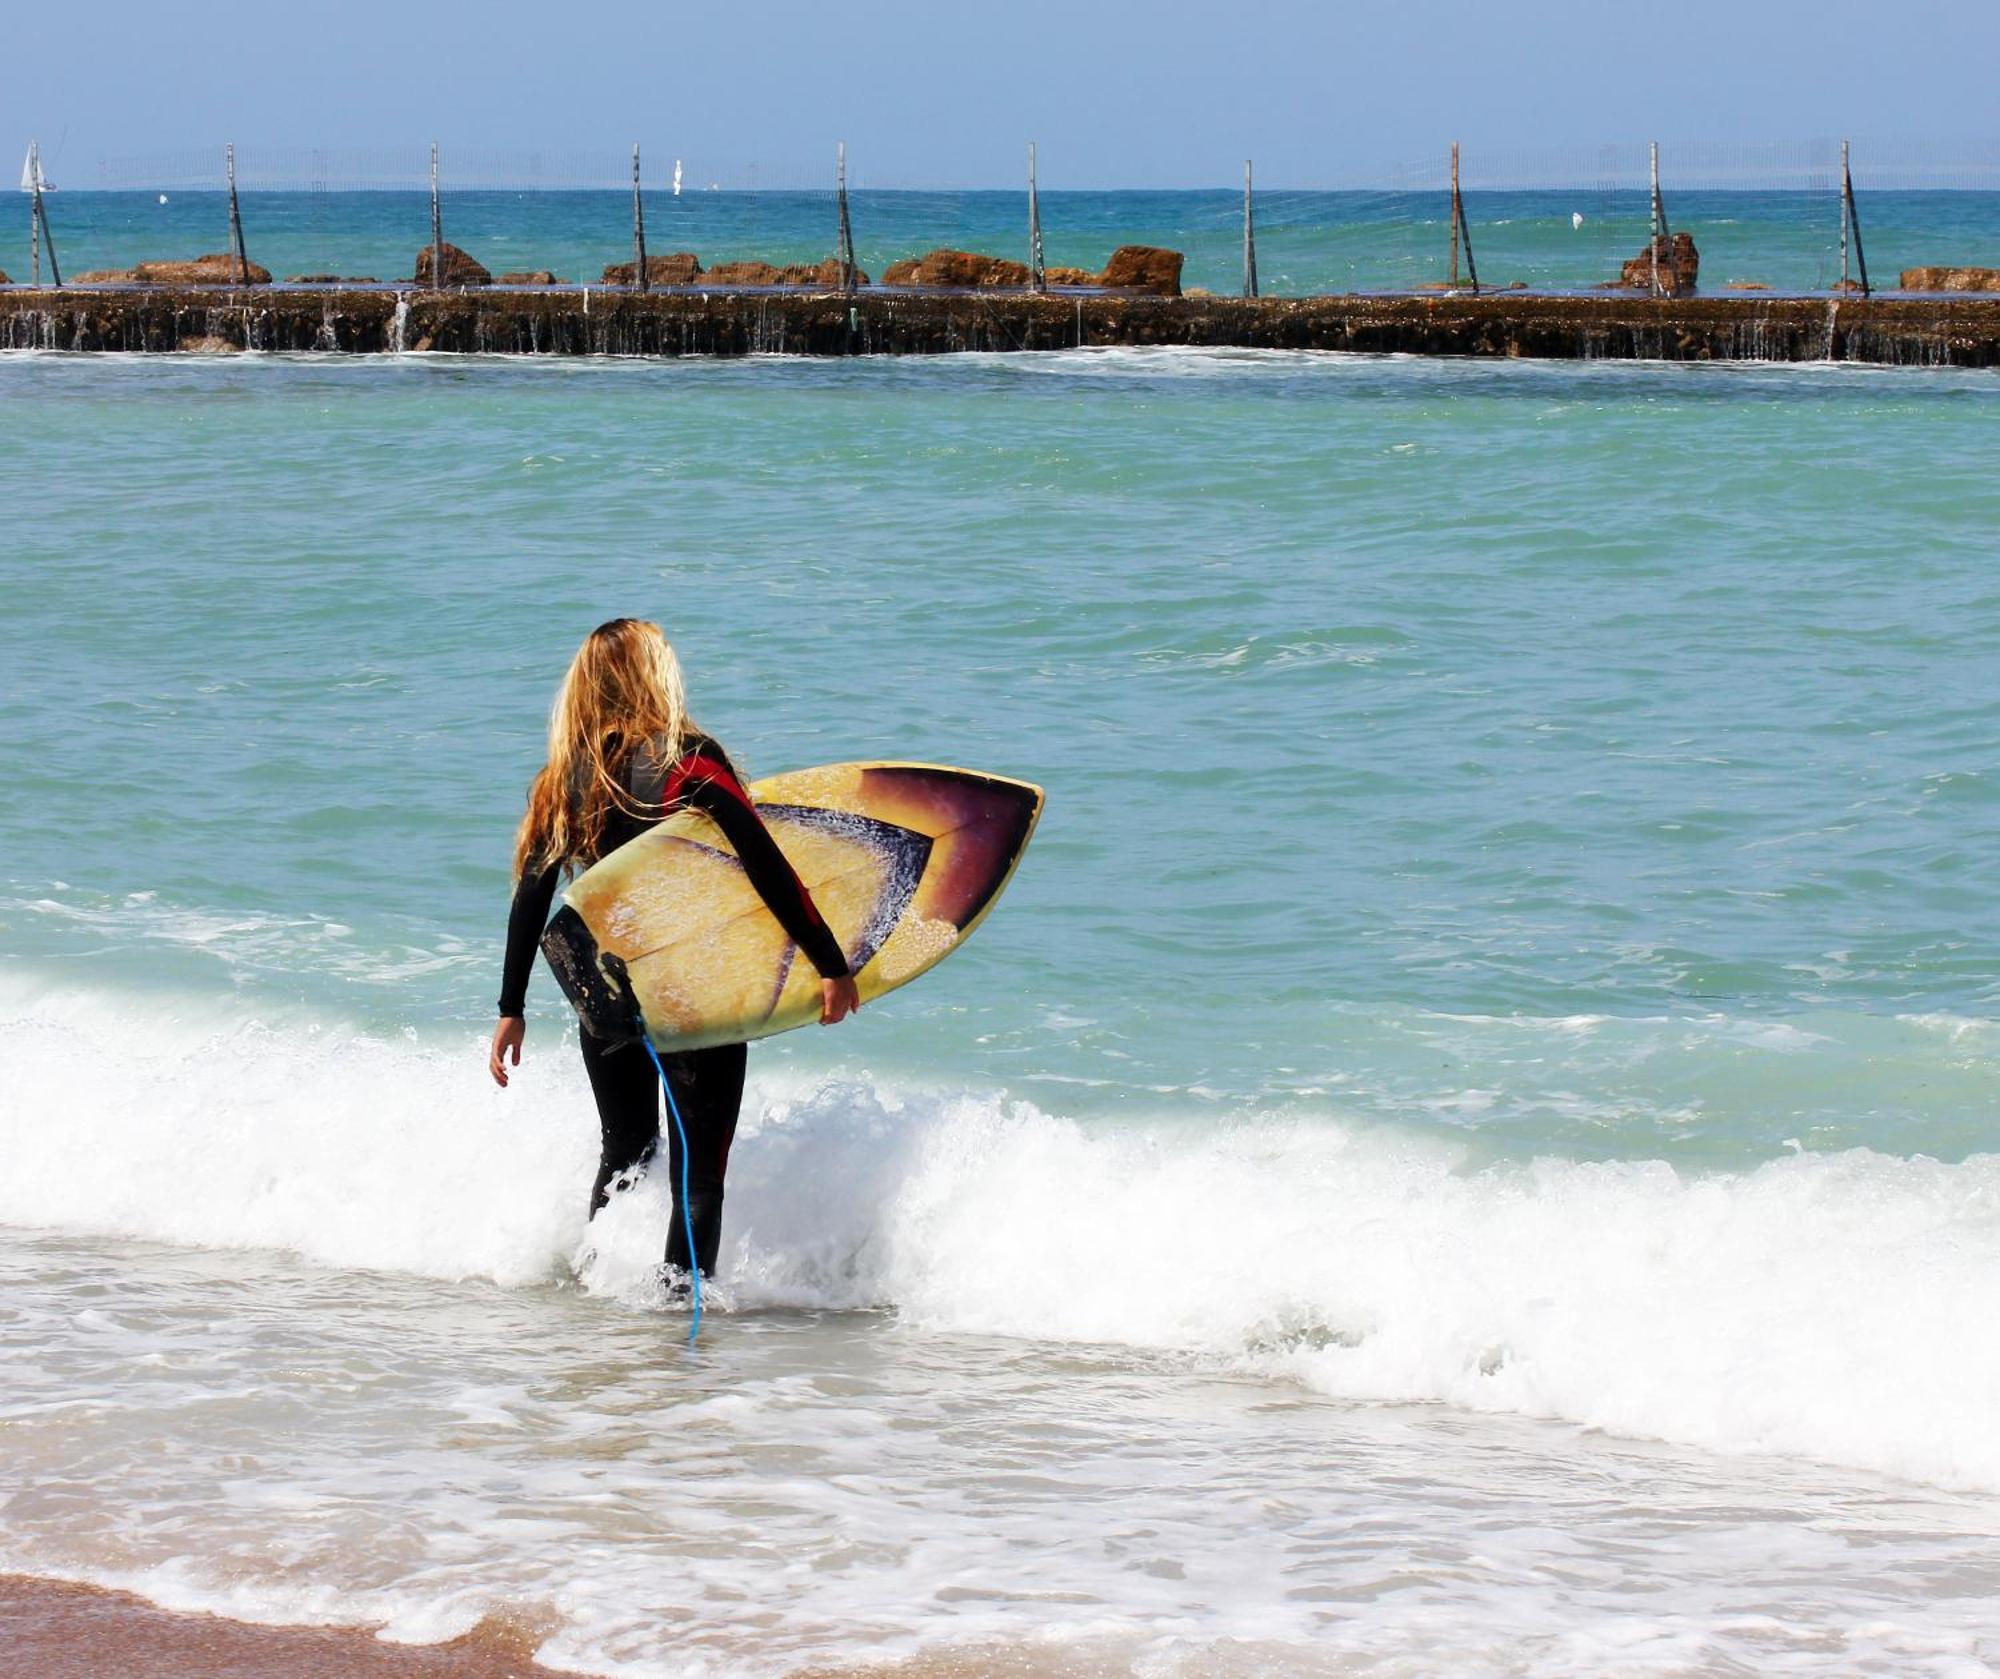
[[838, 998]]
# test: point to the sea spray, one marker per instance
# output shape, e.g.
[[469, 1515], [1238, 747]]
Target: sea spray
[[1826, 1306]]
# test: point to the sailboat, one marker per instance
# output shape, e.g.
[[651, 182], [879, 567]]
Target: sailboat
[[677, 177], [31, 171]]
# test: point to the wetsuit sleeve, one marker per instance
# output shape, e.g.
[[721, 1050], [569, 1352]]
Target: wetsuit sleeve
[[525, 922], [711, 788]]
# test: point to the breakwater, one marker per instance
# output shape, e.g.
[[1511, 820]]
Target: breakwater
[[576, 321]]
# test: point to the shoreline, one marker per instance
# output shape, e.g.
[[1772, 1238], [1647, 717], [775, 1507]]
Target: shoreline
[[67, 1629], [1902, 330], [70, 1629]]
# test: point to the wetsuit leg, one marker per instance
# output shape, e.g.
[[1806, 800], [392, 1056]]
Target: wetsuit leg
[[628, 1109], [708, 1089]]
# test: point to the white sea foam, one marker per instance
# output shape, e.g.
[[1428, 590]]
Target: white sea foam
[[1832, 1306]]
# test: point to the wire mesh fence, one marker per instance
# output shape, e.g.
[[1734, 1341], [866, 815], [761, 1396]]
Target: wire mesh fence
[[1555, 219]]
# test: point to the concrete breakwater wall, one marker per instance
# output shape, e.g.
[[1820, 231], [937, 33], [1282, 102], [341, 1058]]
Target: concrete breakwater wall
[[1906, 331]]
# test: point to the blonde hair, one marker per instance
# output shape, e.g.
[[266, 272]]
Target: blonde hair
[[622, 693]]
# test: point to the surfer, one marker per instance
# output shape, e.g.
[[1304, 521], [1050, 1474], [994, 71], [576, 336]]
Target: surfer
[[623, 756]]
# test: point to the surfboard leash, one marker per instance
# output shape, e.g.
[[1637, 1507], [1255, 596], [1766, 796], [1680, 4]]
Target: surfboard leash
[[687, 1205]]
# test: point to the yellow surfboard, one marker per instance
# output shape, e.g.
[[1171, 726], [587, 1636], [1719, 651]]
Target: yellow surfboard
[[904, 861]]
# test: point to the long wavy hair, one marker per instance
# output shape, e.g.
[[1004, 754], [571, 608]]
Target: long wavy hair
[[623, 692]]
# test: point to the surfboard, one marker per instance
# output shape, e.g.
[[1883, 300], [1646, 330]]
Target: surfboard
[[667, 935]]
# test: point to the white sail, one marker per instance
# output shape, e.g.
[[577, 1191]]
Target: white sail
[[30, 168], [677, 177]]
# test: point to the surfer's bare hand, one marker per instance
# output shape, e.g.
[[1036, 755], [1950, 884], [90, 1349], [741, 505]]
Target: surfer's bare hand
[[838, 998], [507, 1038]]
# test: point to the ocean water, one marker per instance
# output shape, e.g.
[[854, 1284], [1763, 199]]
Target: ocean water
[[1467, 1147], [1307, 242]]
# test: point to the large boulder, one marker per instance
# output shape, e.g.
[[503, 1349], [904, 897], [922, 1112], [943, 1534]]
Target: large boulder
[[1145, 268], [677, 268], [742, 274], [956, 269], [458, 268], [1680, 264], [216, 269], [824, 275], [1949, 279], [529, 277], [1068, 277]]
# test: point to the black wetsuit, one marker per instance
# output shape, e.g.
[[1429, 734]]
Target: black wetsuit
[[707, 1083]]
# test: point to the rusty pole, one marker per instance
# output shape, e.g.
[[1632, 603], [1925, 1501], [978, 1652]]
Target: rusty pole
[[639, 277], [1659, 221], [1036, 277], [437, 227], [1456, 218], [236, 220], [1850, 221], [40, 233], [1461, 229], [1249, 237], [847, 264], [34, 215]]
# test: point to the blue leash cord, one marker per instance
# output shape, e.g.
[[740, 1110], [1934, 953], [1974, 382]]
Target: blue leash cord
[[687, 1207]]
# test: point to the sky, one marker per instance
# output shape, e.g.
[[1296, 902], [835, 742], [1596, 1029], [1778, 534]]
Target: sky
[[947, 94]]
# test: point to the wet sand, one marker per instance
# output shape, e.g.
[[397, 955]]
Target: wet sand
[[55, 1629], [58, 1629]]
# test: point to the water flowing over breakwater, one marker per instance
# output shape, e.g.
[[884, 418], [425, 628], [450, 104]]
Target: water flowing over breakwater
[[1892, 330]]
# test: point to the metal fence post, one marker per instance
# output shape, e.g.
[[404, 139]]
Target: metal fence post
[[437, 227], [847, 263], [639, 277], [1249, 237], [1037, 280], [236, 220]]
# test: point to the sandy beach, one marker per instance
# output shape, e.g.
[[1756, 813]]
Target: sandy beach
[[57, 1629]]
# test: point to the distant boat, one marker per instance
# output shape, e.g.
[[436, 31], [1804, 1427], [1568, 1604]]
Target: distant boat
[[31, 172], [677, 177]]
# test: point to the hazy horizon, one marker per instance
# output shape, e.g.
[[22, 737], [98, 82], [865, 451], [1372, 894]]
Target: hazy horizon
[[1115, 99]]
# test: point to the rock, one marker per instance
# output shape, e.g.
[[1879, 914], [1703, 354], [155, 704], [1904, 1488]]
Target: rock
[[1745, 285], [459, 269], [824, 275], [1145, 268], [332, 280], [1069, 276], [216, 269], [741, 274], [678, 268], [529, 277], [955, 269], [103, 277], [4, 281], [1949, 279], [211, 346], [1680, 263]]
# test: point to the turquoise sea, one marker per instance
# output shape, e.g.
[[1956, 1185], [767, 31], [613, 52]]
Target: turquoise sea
[[1466, 1148], [1548, 238]]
